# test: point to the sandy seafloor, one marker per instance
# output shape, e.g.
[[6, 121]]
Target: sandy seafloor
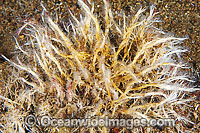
[[179, 17]]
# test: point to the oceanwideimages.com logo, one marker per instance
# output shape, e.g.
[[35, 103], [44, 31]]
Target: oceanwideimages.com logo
[[47, 121]]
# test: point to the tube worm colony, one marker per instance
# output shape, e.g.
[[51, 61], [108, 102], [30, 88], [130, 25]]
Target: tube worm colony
[[82, 71]]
